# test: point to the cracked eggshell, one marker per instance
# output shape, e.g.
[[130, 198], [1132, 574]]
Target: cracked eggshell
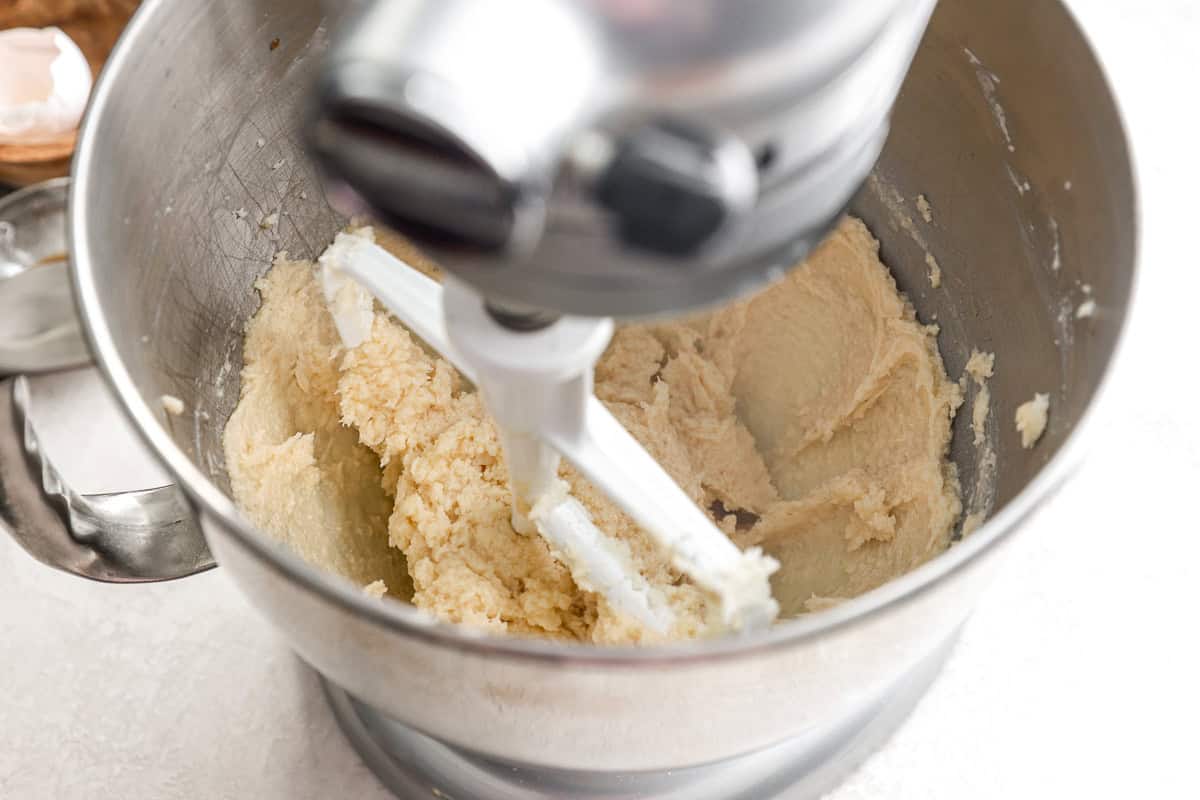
[[44, 85]]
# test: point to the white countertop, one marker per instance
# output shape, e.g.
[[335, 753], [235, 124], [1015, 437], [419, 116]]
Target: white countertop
[[1078, 676]]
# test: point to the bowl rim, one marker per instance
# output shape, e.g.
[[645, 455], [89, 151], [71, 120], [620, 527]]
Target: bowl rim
[[407, 620]]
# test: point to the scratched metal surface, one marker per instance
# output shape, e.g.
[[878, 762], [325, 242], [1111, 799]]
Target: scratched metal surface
[[1032, 204], [214, 184]]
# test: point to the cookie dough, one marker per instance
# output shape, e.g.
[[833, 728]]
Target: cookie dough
[[980, 368], [812, 419], [1031, 418], [925, 208]]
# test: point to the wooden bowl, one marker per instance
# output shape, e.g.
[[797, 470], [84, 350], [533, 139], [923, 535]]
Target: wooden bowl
[[24, 164]]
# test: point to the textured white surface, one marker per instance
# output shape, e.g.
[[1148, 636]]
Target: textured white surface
[[1077, 676]]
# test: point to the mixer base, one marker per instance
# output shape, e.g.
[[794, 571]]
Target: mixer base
[[412, 764]]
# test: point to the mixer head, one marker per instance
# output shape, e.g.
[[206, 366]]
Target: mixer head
[[609, 157]]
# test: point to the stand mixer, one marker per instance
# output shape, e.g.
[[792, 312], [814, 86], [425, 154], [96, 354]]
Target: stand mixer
[[568, 163], [164, 275]]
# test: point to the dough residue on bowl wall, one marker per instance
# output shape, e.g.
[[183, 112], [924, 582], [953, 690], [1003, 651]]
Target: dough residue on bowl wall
[[1031, 418], [980, 368], [925, 208], [812, 419]]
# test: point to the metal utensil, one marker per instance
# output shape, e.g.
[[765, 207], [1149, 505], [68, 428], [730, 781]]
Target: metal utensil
[[39, 330], [13, 259]]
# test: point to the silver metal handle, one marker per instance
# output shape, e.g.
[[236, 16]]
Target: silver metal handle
[[118, 537]]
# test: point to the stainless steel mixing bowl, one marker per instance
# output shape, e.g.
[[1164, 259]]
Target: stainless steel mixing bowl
[[1005, 125]]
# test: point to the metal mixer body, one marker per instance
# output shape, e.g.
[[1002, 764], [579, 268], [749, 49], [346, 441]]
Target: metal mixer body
[[606, 157]]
